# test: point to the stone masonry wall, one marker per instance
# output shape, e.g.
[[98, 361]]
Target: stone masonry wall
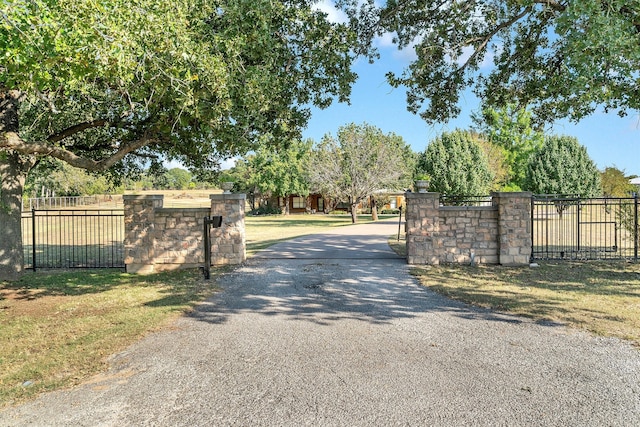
[[468, 230], [498, 234], [228, 243], [160, 239]]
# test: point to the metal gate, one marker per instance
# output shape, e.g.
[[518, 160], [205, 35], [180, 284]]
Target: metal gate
[[575, 228], [74, 238]]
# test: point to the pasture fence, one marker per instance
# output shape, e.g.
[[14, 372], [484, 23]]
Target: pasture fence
[[73, 238], [576, 228]]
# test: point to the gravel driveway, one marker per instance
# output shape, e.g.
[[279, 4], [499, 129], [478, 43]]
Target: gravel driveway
[[315, 332]]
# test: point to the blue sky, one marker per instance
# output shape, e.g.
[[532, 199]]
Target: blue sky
[[610, 140]]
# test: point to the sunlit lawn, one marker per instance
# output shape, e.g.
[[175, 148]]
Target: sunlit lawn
[[58, 328], [264, 231], [602, 298]]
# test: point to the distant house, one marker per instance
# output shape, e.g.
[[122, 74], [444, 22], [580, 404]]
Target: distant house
[[636, 182], [300, 204], [316, 203]]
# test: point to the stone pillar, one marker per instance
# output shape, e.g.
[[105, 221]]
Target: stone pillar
[[228, 243], [514, 227], [423, 226], [139, 232]]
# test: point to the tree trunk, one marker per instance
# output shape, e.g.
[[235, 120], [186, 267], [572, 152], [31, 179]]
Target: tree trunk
[[286, 205], [13, 173], [374, 209], [354, 212]]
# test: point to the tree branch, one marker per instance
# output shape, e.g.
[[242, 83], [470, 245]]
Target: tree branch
[[491, 34], [553, 4], [12, 141], [75, 129]]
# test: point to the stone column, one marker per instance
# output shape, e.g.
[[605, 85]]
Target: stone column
[[514, 227], [228, 243], [423, 226], [139, 231]]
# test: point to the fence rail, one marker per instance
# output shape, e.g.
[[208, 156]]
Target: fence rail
[[73, 238], [66, 202], [574, 228]]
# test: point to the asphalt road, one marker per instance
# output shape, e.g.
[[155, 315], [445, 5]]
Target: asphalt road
[[315, 332]]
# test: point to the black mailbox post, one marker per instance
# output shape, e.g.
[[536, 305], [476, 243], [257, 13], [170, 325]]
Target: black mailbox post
[[209, 223]]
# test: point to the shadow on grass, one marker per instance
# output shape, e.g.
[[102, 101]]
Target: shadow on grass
[[179, 284]]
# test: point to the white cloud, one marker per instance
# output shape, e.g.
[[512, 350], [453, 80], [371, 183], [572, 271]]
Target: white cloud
[[406, 54], [467, 51], [228, 163], [333, 15]]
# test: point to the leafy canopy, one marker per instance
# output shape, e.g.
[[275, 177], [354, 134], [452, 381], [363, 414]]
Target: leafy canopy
[[510, 129], [615, 183], [196, 80], [282, 171], [563, 58]]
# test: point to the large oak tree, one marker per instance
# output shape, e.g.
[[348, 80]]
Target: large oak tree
[[113, 83], [562, 58]]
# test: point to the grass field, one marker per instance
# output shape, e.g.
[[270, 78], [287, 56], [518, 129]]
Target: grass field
[[599, 297]]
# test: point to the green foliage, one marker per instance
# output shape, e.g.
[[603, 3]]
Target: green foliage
[[562, 166], [562, 58], [359, 161], [615, 183], [60, 179], [282, 171], [457, 165], [195, 80], [178, 179], [511, 130]]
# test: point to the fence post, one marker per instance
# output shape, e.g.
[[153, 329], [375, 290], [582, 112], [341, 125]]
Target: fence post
[[228, 242], [635, 232], [514, 227], [533, 229], [33, 238]]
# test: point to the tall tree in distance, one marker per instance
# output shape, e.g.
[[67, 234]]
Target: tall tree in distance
[[282, 171], [562, 58], [562, 166], [616, 183], [511, 130], [356, 163], [457, 165], [111, 85]]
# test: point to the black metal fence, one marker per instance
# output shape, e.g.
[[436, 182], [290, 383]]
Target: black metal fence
[[74, 238], [574, 228]]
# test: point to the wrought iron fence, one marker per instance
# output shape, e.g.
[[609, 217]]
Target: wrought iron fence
[[73, 238], [574, 228]]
